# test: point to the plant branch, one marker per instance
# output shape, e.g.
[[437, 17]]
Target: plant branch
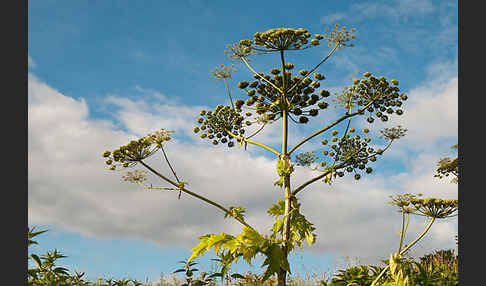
[[252, 142], [256, 132], [168, 163], [418, 237], [263, 78], [405, 249], [348, 115], [342, 165], [229, 93], [195, 195], [332, 51], [402, 234]]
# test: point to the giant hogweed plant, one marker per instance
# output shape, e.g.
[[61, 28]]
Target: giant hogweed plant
[[279, 97]]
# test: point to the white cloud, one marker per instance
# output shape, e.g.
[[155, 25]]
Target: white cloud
[[333, 18], [430, 113], [70, 187], [395, 10], [30, 62]]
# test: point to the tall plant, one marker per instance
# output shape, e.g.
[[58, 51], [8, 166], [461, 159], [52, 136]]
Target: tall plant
[[283, 95]]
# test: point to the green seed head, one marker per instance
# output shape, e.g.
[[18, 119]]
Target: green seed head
[[289, 66], [275, 71], [243, 84], [319, 76], [303, 119], [303, 72], [325, 93], [323, 105]]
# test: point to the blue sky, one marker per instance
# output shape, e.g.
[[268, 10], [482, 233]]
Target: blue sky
[[101, 72]]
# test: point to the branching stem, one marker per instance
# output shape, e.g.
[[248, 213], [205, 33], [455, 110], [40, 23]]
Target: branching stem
[[301, 187], [252, 142], [263, 78], [348, 115], [405, 249], [332, 51], [229, 93], [225, 210]]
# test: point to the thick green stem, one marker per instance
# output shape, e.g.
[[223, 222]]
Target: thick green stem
[[282, 276], [283, 103], [225, 210]]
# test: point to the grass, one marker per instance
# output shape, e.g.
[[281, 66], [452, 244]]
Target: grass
[[438, 268]]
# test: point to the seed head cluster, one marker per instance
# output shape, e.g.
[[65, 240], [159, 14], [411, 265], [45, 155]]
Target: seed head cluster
[[430, 207], [381, 97], [352, 152], [282, 39], [264, 94], [136, 150], [215, 125]]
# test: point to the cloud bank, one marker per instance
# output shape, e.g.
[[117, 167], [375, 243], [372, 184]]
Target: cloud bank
[[70, 187]]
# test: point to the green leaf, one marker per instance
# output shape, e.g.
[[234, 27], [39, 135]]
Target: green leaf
[[212, 240], [279, 182], [200, 248], [61, 270], [277, 209], [37, 260], [237, 276], [277, 226], [274, 259], [216, 275]]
